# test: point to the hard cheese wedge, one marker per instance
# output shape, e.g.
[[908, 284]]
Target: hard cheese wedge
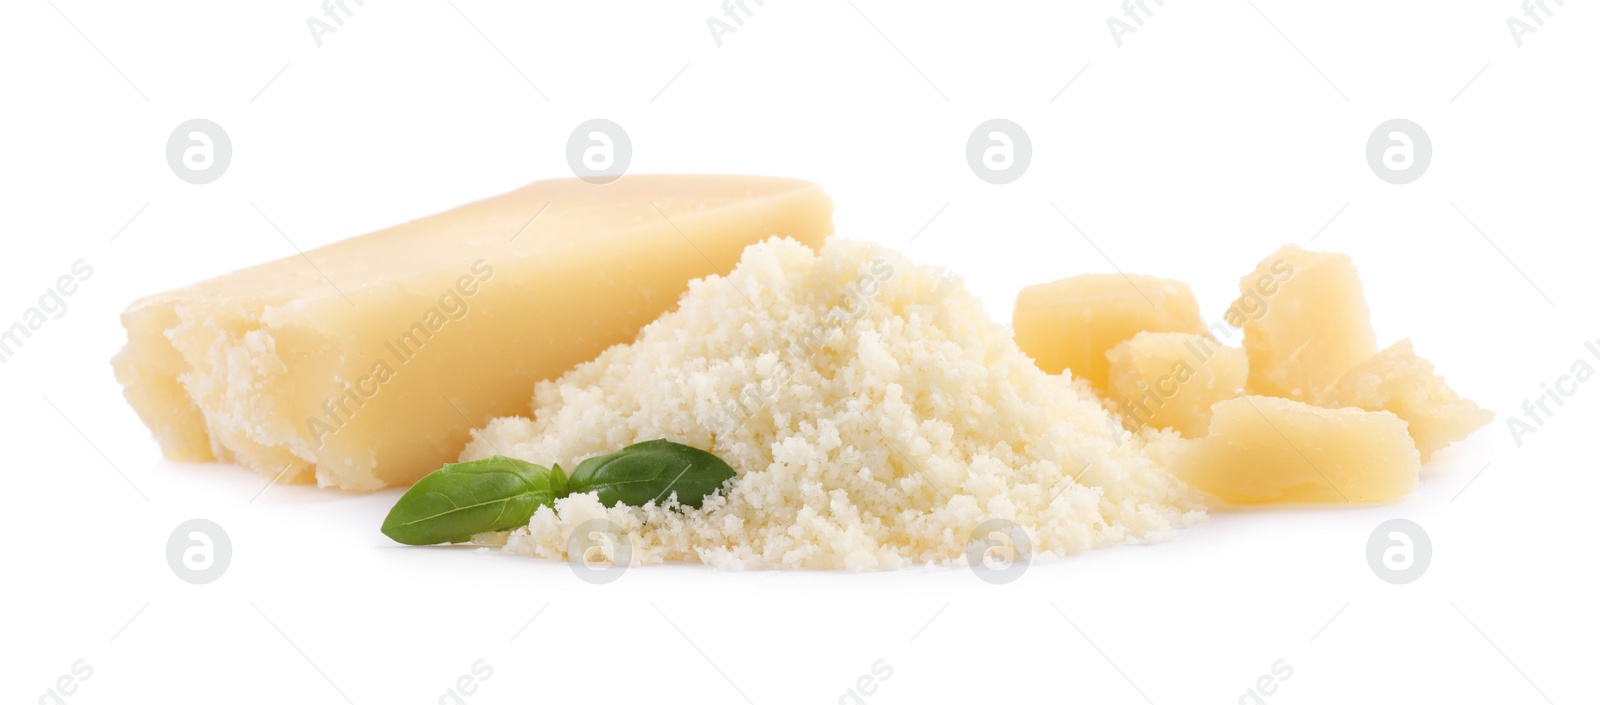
[[1265, 450], [1070, 324], [1397, 381], [1170, 380], [1305, 322], [365, 363]]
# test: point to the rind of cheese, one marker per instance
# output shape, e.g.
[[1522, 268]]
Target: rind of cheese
[[1170, 380], [1397, 381], [366, 363], [1305, 322], [1266, 450], [1069, 324]]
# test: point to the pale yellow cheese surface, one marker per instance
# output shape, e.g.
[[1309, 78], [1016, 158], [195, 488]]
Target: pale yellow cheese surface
[[1265, 450], [1397, 381], [1305, 322], [1170, 380], [1069, 324], [876, 417], [366, 362]]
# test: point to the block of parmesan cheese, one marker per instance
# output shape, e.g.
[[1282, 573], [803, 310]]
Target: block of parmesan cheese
[[1071, 323], [1397, 381], [365, 363], [1305, 322], [1170, 380], [1266, 450]]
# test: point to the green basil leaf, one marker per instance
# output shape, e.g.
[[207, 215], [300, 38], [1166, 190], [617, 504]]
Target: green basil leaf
[[651, 471], [558, 481], [452, 503]]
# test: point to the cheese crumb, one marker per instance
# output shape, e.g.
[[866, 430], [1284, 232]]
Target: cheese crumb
[[875, 416]]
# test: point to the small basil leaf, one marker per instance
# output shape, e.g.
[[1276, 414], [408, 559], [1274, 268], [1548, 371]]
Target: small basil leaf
[[558, 481], [452, 503], [651, 471]]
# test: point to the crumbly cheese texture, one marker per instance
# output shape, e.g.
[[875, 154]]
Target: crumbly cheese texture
[[874, 414], [364, 363], [1398, 381]]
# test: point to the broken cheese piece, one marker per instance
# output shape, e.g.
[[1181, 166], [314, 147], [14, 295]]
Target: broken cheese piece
[[1170, 380], [1069, 324], [1305, 322], [1397, 381], [366, 363], [1266, 450]]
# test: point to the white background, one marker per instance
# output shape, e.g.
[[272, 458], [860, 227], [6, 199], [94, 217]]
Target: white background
[[1195, 149]]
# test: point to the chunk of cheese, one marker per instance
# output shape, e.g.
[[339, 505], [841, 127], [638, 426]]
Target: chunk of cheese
[[366, 362], [1069, 324], [1397, 381], [1170, 380], [1305, 322], [1266, 450]]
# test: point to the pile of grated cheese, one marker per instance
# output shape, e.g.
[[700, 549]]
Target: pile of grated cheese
[[874, 413]]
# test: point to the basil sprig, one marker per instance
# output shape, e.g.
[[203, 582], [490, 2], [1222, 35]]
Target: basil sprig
[[649, 471], [452, 503], [461, 499]]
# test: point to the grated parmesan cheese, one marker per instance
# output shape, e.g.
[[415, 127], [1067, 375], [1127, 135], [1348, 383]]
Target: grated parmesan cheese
[[873, 411]]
